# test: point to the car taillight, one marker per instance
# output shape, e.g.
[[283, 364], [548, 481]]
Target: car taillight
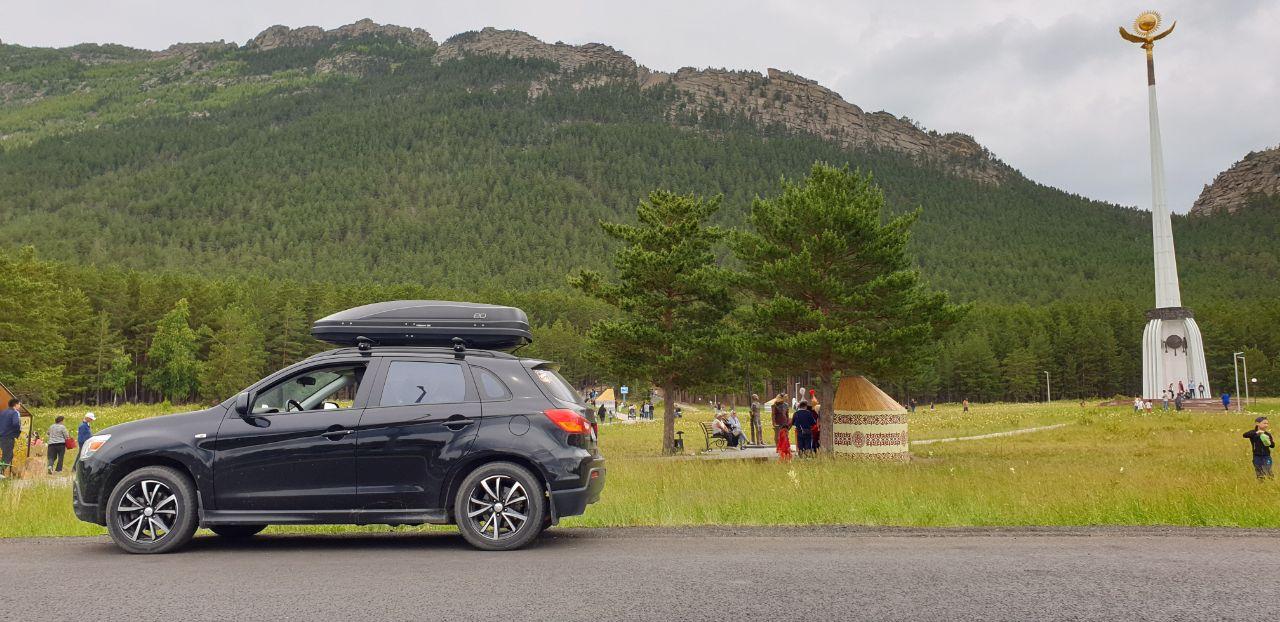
[[568, 421]]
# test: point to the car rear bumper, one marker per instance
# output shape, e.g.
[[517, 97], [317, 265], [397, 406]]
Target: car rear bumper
[[574, 501]]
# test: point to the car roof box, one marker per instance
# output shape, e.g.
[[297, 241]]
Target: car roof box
[[428, 323]]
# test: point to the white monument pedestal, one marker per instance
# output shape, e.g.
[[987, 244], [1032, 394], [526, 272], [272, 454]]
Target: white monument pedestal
[[1172, 353]]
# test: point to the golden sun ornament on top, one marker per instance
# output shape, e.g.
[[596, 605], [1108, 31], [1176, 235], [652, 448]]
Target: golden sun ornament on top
[[1146, 24]]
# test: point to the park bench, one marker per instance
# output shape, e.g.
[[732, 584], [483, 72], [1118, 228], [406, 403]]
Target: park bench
[[713, 441]]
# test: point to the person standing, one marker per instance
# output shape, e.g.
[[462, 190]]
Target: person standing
[[803, 421], [965, 403], [757, 431], [85, 431], [10, 430], [1262, 441], [57, 443], [1201, 387], [781, 427], [1226, 401]]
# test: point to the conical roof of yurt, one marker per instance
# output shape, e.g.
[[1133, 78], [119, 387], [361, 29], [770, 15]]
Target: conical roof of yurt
[[857, 394], [868, 424]]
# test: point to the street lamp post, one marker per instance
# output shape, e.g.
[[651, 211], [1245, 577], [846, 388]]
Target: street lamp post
[[1048, 394], [1236, 358]]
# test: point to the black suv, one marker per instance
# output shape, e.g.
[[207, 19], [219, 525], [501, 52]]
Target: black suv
[[500, 445]]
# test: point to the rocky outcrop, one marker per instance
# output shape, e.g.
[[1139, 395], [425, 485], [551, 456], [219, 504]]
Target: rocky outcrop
[[517, 44], [1258, 174], [283, 36], [779, 98], [351, 64]]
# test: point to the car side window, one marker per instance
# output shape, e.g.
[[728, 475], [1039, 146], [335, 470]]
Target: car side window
[[417, 382], [492, 388], [329, 388]]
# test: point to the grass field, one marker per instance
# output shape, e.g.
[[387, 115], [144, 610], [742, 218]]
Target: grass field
[[1107, 467]]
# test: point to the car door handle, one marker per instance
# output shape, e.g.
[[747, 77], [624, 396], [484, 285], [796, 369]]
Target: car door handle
[[457, 422], [336, 433]]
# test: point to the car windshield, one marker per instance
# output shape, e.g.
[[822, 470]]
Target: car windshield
[[554, 385]]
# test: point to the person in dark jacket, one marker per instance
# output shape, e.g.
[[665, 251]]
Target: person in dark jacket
[[1263, 442], [803, 421], [85, 431], [10, 430], [781, 425]]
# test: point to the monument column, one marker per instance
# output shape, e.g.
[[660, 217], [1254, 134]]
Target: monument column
[[1172, 348]]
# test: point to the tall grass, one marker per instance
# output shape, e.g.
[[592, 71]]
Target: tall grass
[[1108, 467]]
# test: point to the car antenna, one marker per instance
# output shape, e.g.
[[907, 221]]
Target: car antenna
[[459, 348]]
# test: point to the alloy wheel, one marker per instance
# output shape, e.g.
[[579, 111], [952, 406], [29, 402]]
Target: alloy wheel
[[498, 507], [147, 511]]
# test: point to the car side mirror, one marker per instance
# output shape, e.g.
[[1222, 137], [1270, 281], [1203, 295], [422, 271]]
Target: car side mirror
[[242, 404], [331, 406]]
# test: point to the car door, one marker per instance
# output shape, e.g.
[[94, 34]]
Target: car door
[[295, 450], [420, 420]]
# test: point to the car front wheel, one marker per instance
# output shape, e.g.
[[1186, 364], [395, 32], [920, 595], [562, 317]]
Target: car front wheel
[[499, 507], [152, 510]]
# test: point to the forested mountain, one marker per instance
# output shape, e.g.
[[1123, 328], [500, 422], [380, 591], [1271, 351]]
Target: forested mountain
[[309, 169]]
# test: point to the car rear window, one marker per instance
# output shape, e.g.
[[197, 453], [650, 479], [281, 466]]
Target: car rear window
[[554, 385]]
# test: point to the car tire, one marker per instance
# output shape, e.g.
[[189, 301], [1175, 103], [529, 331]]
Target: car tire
[[152, 510], [500, 506], [237, 531]]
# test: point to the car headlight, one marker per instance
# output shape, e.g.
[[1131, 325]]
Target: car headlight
[[92, 445]]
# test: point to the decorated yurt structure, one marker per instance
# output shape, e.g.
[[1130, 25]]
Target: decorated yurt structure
[[868, 424]]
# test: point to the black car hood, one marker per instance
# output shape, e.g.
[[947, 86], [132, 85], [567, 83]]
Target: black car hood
[[164, 421]]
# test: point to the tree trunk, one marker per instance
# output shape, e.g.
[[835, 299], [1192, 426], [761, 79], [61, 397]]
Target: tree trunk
[[827, 397], [668, 418]]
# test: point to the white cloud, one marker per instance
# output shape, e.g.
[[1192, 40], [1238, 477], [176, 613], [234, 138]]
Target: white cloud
[[1049, 87]]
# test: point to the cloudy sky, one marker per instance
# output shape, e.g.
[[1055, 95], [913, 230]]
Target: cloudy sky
[[1049, 86]]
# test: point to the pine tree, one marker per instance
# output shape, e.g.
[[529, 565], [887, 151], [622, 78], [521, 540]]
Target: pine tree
[[175, 370], [118, 375], [1021, 379], [836, 291], [236, 356], [673, 298]]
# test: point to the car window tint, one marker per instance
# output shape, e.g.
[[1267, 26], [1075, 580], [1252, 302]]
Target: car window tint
[[410, 382], [491, 387]]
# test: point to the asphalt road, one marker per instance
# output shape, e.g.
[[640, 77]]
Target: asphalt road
[[669, 574]]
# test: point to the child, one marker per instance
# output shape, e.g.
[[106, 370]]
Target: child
[[1263, 443]]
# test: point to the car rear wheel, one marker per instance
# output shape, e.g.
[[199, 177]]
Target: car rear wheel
[[237, 531], [499, 507], [152, 510]]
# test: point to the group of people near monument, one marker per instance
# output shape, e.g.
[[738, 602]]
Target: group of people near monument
[[803, 421]]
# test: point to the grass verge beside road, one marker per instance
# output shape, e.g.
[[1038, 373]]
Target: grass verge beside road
[[1108, 467]]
